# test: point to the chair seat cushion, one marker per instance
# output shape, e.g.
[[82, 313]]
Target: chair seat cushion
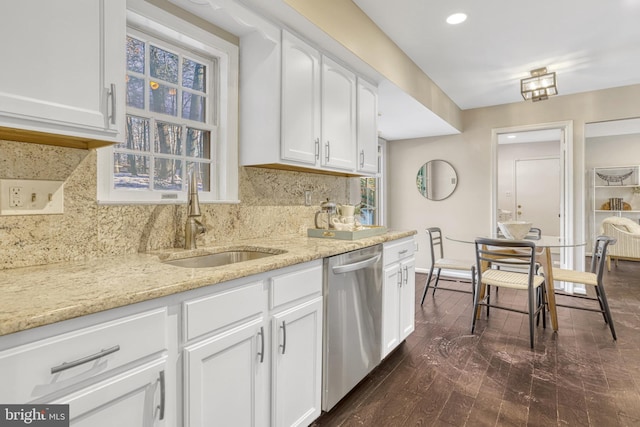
[[454, 264], [572, 276], [509, 279]]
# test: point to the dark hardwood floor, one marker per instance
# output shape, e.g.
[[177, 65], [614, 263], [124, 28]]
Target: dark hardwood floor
[[444, 376]]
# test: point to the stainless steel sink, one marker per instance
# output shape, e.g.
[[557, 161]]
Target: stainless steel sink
[[221, 258]]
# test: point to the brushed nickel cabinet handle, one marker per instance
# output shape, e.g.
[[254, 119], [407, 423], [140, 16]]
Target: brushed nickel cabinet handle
[[68, 365], [112, 93], [328, 152], [162, 395], [284, 337], [261, 353], [361, 158], [317, 141]]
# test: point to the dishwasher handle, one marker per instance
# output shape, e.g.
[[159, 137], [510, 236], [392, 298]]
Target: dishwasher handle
[[346, 268]]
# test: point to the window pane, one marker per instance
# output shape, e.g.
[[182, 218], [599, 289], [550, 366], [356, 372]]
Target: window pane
[[193, 107], [135, 55], [130, 171], [135, 92], [203, 173], [137, 134], [193, 75], [167, 174], [163, 65], [198, 144], [163, 99], [168, 138]]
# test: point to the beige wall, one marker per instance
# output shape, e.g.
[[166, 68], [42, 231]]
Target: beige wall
[[272, 203], [468, 210]]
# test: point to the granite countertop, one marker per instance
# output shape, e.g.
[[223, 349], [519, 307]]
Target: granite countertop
[[41, 295]]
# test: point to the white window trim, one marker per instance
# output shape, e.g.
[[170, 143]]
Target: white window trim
[[159, 23]]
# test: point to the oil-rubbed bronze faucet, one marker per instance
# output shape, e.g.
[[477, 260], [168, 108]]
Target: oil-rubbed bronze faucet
[[193, 227]]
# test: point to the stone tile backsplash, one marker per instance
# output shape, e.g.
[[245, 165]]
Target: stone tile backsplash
[[272, 203]]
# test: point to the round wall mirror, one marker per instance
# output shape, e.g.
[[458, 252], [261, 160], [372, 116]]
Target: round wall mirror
[[436, 180]]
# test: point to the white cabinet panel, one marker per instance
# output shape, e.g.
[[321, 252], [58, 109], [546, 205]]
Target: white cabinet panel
[[338, 115], [224, 378], [398, 293], [300, 100], [297, 364], [67, 67], [133, 398], [367, 131]]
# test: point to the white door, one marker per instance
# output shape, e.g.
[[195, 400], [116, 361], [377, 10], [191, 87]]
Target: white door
[[133, 398], [300, 101], [297, 364], [407, 297], [392, 278], [537, 197], [63, 67], [224, 378], [367, 133], [338, 116]]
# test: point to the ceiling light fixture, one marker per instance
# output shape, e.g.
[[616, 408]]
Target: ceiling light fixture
[[540, 86], [456, 18]]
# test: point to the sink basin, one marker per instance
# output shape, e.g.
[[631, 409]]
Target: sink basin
[[220, 258]]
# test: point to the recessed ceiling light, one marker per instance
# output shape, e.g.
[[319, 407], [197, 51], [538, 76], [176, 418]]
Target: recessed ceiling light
[[456, 18]]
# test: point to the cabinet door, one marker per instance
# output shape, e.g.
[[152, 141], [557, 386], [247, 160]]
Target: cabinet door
[[407, 297], [300, 101], [297, 364], [225, 378], [338, 116], [133, 398], [65, 58], [367, 133], [390, 308]]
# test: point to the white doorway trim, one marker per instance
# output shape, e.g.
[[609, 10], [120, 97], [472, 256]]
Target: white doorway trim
[[567, 255]]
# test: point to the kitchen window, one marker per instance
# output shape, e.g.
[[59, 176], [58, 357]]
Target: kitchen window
[[180, 117]]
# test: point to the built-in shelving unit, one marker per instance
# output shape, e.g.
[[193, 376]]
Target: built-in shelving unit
[[615, 192]]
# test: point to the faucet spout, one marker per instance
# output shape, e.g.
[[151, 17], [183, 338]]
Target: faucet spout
[[193, 227]]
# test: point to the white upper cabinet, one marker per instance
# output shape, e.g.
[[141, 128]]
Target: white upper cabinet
[[300, 101], [338, 115], [63, 71], [367, 127], [298, 107]]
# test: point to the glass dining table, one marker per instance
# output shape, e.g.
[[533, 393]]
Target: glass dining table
[[544, 247]]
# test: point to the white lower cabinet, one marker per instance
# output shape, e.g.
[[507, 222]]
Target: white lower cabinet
[[111, 373], [297, 364], [259, 364], [398, 293], [134, 398], [225, 378]]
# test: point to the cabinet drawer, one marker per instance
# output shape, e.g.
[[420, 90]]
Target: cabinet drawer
[[298, 284], [207, 314], [395, 251], [34, 370]]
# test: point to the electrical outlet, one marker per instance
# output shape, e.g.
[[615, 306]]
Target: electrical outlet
[[15, 197], [307, 197], [31, 197]]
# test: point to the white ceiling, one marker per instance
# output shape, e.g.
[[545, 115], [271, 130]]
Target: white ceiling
[[590, 44]]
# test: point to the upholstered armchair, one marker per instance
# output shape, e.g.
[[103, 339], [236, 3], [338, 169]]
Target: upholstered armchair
[[627, 232]]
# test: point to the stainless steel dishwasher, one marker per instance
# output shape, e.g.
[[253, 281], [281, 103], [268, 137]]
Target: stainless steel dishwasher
[[352, 320]]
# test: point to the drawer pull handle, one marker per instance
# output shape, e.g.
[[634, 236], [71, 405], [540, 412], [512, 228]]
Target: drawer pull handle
[[162, 396], [284, 337], [98, 355], [261, 353], [404, 251]]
